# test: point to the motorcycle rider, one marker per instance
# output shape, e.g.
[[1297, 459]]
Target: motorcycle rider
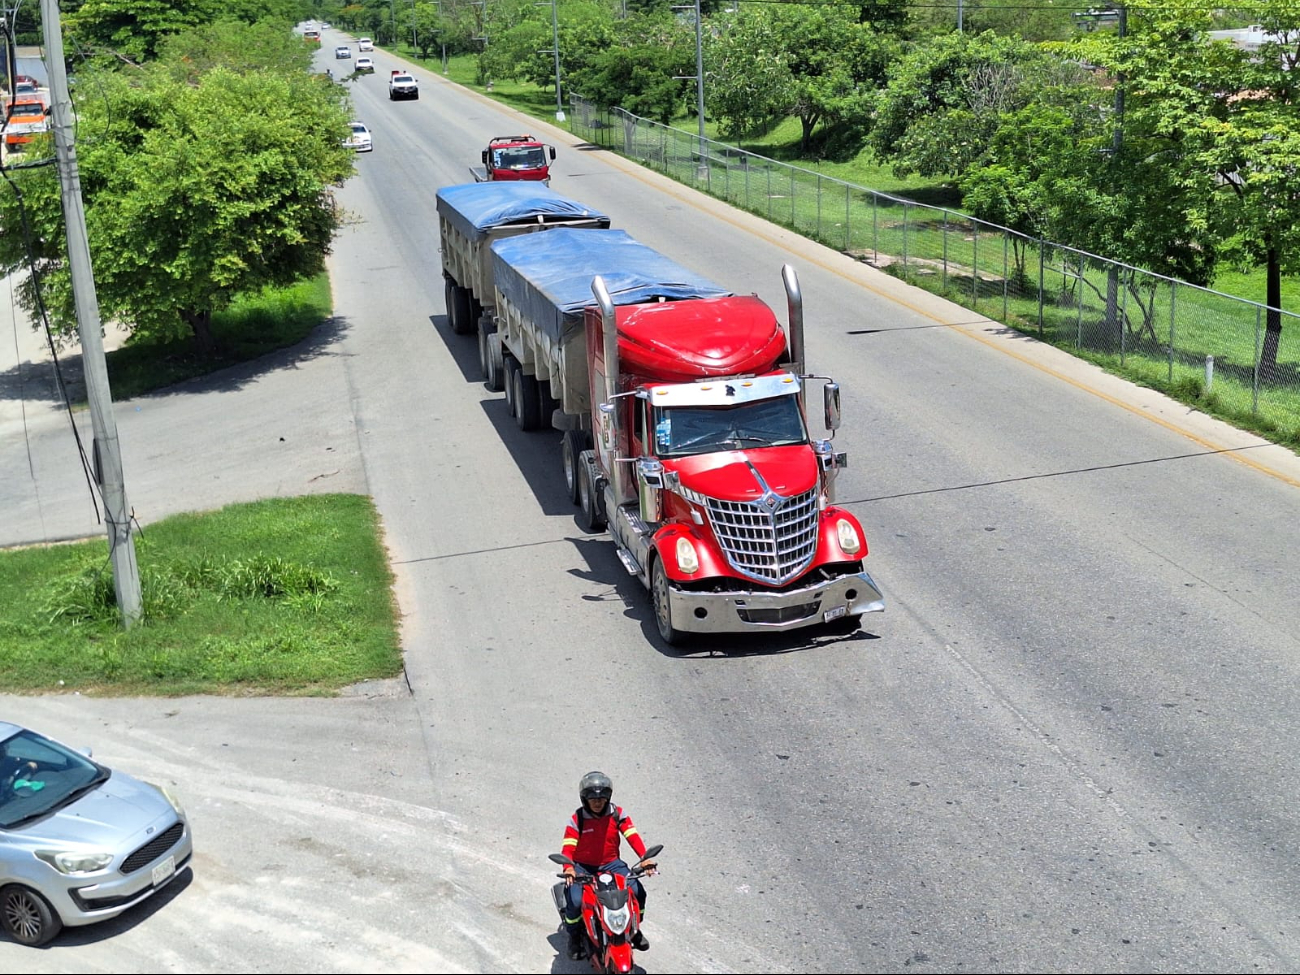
[[591, 840]]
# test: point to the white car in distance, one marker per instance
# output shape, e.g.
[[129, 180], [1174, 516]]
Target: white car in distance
[[359, 138]]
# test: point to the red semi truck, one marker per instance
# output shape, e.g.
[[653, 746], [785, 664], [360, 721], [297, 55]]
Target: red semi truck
[[515, 157], [685, 435]]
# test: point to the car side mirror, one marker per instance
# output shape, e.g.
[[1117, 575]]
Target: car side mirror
[[552, 148]]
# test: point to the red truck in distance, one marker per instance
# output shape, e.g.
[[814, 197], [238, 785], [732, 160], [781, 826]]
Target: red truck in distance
[[515, 157]]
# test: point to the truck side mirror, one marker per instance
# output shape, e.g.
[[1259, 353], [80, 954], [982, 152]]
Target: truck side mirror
[[650, 478], [831, 395], [552, 148], [485, 152]]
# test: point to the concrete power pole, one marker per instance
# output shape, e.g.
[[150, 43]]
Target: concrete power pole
[[108, 457]]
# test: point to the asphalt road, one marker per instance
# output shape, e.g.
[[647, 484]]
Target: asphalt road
[[1066, 746]]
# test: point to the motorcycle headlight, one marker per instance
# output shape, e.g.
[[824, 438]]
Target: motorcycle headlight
[[618, 920], [687, 560], [850, 543], [75, 861]]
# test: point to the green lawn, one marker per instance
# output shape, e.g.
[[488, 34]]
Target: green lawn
[[285, 596], [250, 328]]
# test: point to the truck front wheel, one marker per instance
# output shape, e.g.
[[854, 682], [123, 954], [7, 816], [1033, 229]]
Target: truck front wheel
[[663, 605], [590, 519], [573, 444]]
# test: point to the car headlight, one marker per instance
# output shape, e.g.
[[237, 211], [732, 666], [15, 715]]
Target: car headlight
[[850, 543], [170, 795], [75, 861], [687, 560]]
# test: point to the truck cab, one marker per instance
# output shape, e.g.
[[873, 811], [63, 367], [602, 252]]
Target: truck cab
[[515, 157]]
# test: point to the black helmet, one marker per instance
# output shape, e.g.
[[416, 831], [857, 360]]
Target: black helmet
[[595, 785]]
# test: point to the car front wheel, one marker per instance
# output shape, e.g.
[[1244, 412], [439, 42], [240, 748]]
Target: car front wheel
[[27, 917]]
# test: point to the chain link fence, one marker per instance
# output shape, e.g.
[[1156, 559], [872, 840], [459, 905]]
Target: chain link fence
[[1228, 356]]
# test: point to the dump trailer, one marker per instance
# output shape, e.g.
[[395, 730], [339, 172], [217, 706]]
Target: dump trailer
[[684, 431], [473, 215]]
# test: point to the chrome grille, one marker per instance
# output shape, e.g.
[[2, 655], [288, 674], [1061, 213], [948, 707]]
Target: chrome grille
[[772, 544]]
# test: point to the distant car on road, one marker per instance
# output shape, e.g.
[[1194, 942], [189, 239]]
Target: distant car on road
[[79, 842], [365, 44], [342, 52], [365, 66], [402, 85], [360, 138]]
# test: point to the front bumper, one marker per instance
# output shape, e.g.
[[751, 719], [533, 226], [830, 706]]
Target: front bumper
[[757, 610], [85, 900]]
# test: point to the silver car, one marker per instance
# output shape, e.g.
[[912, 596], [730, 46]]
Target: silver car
[[79, 842]]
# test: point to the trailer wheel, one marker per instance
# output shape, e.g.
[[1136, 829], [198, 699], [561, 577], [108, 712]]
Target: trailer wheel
[[449, 300], [462, 319], [662, 605], [490, 355], [573, 444], [528, 401], [510, 368], [589, 514]]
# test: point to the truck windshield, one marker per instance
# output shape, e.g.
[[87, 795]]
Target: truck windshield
[[520, 157], [681, 431]]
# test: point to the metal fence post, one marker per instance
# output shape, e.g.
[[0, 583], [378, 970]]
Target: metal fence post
[[769, 192], [1123, 318], [945, 251], [794, 223], [905, 215], [1255, 381], [875, 229], [1078, 299], [848, 199], [1173, 298], [975, 259], [1042, 257], [1004, 275], [819, 206], [747, 168]]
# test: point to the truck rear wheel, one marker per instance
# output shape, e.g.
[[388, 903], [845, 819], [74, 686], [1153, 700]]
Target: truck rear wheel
[[510, 368], [528, 401], [659, 596], [573, 444], [462, 318], [590, 518]]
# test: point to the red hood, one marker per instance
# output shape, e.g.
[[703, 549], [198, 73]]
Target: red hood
[[728, 476]]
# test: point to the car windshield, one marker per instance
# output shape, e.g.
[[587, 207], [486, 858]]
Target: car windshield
[[681, 431], [402, 79], [520, 157], [358, 128], [39, 776]]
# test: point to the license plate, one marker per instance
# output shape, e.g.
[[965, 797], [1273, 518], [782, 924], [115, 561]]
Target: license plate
[[834, 614], [164, 870]]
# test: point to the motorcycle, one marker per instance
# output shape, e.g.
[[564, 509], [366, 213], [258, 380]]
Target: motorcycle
[[610, 914]]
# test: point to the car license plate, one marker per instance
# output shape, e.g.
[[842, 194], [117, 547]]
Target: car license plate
[[164, 870], [834, 614]]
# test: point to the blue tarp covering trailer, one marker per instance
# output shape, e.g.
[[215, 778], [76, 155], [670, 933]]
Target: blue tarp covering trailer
[[548, 277], [475, 209]]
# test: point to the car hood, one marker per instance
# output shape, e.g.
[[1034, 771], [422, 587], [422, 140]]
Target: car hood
[[117, 809], [740, 475]]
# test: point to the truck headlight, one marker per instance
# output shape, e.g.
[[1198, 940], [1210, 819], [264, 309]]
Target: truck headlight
[[850, 543], [75, 861], [687, 560]]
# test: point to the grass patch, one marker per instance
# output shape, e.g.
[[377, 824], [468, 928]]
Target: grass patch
[[252, 326], [283, 596]]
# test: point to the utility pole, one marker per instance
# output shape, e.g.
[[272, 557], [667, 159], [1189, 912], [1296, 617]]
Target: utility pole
[[555, 47], [702, 169], [1115, 326], [107, 453]]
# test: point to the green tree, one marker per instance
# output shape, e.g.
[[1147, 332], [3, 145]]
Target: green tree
[[817, 63], [643, 71], [946, 97], [240, 47], [195, 193]]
